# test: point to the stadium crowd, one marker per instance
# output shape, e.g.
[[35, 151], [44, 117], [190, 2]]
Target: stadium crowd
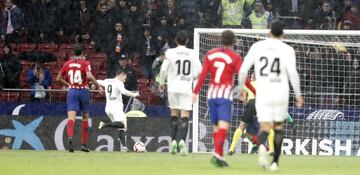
[[137, 32]]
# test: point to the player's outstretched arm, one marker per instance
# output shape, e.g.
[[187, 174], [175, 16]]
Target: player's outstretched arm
[[294, 78], [127, 92]]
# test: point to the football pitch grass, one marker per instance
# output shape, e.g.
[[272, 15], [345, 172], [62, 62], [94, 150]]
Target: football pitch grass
[[108, 163]]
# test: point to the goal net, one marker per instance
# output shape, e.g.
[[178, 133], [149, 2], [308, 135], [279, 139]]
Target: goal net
[[329, 69]]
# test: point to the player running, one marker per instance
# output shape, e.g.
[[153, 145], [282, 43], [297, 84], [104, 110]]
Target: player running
[[180, 67], [114, 105], [275, 64], [75, 74], [222, 63]]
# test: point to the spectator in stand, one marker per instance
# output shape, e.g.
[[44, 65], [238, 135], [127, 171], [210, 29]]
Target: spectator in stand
[[134, 20], [259, 17], [61, 38], [353, 16], [345, 7], [183, 25], [119, 46], [10, 68], [12, 21], [163, 32], [233, 12], [101, 29], [68, 19], [122, 10], [346, 25], [111, 7], [285, 8], [31, 21], [324, 17], [148, 51], [83, 34], [131, 81], [171, 12], [151, 7], [39, 78], [48, 21], [156, 65], [188, 10], [207, 13]]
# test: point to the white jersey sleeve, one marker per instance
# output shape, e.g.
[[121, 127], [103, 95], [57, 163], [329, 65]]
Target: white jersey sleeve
[[293, 74], [249, 61], [164, 70], [124, 91]]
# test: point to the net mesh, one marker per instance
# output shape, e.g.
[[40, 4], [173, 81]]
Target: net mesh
[[329, 70]]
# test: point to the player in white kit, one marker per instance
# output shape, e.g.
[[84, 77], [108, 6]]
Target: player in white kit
[[114, 88], [275, 65], [180, 67]]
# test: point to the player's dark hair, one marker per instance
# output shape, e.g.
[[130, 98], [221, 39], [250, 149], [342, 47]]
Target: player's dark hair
[[277, 28], [181, 38], [228, 38], [120, 71], [78, 49]]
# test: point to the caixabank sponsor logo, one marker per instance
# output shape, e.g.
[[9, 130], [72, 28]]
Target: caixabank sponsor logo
[[49, 133]]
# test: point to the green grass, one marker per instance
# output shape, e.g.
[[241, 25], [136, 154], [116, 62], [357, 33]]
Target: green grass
[[104, 163]]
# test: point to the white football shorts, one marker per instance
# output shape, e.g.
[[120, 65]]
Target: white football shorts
[[180, 101], [272, 109]]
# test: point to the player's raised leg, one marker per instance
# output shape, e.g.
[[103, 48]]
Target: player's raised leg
[[183, 130], [115, 124]]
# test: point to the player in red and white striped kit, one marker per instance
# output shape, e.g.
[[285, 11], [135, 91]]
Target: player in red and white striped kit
[[76, 74], [222, 63]]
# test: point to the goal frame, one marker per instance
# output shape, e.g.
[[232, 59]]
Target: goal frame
[[198, 31]]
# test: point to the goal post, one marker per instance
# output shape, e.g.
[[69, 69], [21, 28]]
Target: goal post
[[328, 65]]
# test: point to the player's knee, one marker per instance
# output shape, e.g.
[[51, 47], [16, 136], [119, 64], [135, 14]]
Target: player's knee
[[85, 116], [175, 112], [223, 125], [184, 113], [242, 126], [278, 126], [265, 127], [71, 115]]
